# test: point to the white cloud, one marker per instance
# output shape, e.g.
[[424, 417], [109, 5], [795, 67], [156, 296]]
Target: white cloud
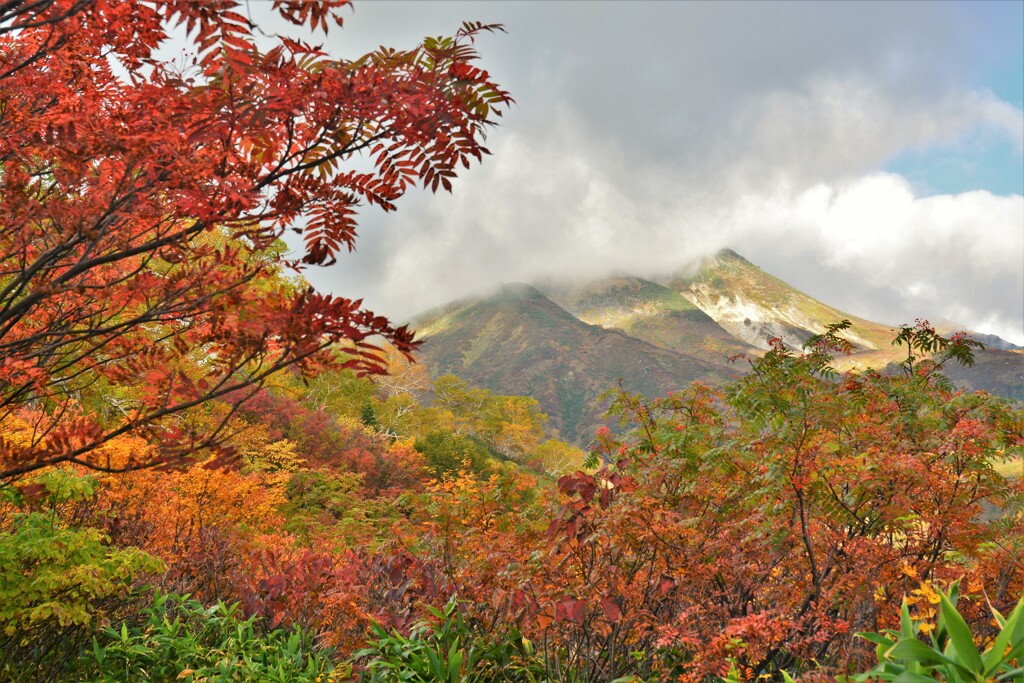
[[836, 127], [649, 135], [959, 257]]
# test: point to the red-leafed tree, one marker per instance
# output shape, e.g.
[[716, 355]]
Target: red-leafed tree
[[142, 204], [757, 529]]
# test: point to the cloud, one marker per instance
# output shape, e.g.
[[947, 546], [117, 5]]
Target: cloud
[[876, 250], [647, 135], [836, 127], [562, 203]]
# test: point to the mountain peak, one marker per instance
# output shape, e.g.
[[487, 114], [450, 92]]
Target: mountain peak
[[517, 291], [730, 255], [755, 306]]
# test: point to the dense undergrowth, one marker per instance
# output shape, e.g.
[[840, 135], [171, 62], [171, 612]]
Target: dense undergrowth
[[744, 533]]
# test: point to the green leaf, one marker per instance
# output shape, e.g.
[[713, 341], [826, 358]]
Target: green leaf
[[454, 663], [995, 656], [876, 638], [960, 637], [906, 623], [913, 650], [436, 612], [1014, 675], [436, 669], [911, 677], [954, 592]]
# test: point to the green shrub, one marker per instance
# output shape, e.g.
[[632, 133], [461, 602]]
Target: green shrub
[[446, 649], [58, 583], [181, 640], [447, 453]]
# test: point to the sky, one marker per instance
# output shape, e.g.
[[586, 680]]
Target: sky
[[868, 154]]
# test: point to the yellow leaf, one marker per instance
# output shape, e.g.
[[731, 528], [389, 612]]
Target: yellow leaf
[[930, 593]]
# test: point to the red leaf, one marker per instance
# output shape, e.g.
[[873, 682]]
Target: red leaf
[[611, 610]]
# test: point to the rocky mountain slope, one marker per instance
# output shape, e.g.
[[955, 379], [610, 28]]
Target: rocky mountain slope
[[755, 306], [646, 310]]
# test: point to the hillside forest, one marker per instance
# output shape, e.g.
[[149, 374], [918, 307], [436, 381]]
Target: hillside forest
[[209, 471]]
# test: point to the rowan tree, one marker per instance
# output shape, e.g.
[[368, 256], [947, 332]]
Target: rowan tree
[[763, 525], [143, 202]]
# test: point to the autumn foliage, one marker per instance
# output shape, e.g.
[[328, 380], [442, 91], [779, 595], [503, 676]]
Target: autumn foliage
[[737, 533], [203, 475], [763, 526], [143, 202]]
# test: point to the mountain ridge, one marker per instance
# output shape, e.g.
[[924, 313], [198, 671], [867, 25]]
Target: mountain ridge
[[517, 341], [566, 343]]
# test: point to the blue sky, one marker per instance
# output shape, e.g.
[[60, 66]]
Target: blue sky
[[982, 160]]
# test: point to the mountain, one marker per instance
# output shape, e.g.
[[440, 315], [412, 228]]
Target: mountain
[[755, 306], [517, 341], [996, 371], [566, 343], [646, 310], [991, 341]]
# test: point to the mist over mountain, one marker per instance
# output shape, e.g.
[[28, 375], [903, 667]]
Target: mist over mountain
[[566, 342], [648, 311]]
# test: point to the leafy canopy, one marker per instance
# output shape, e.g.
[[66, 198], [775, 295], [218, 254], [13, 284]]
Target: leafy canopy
[[143, 201]]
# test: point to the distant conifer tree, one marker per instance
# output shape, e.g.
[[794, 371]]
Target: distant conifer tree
[[369, 417]]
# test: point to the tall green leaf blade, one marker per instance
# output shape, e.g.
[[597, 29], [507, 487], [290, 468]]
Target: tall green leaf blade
[[454, 664], [906, 623], [1014, 675], [1008, 636], [911, 677], [960, 637], [436, 667], [913, 650]]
